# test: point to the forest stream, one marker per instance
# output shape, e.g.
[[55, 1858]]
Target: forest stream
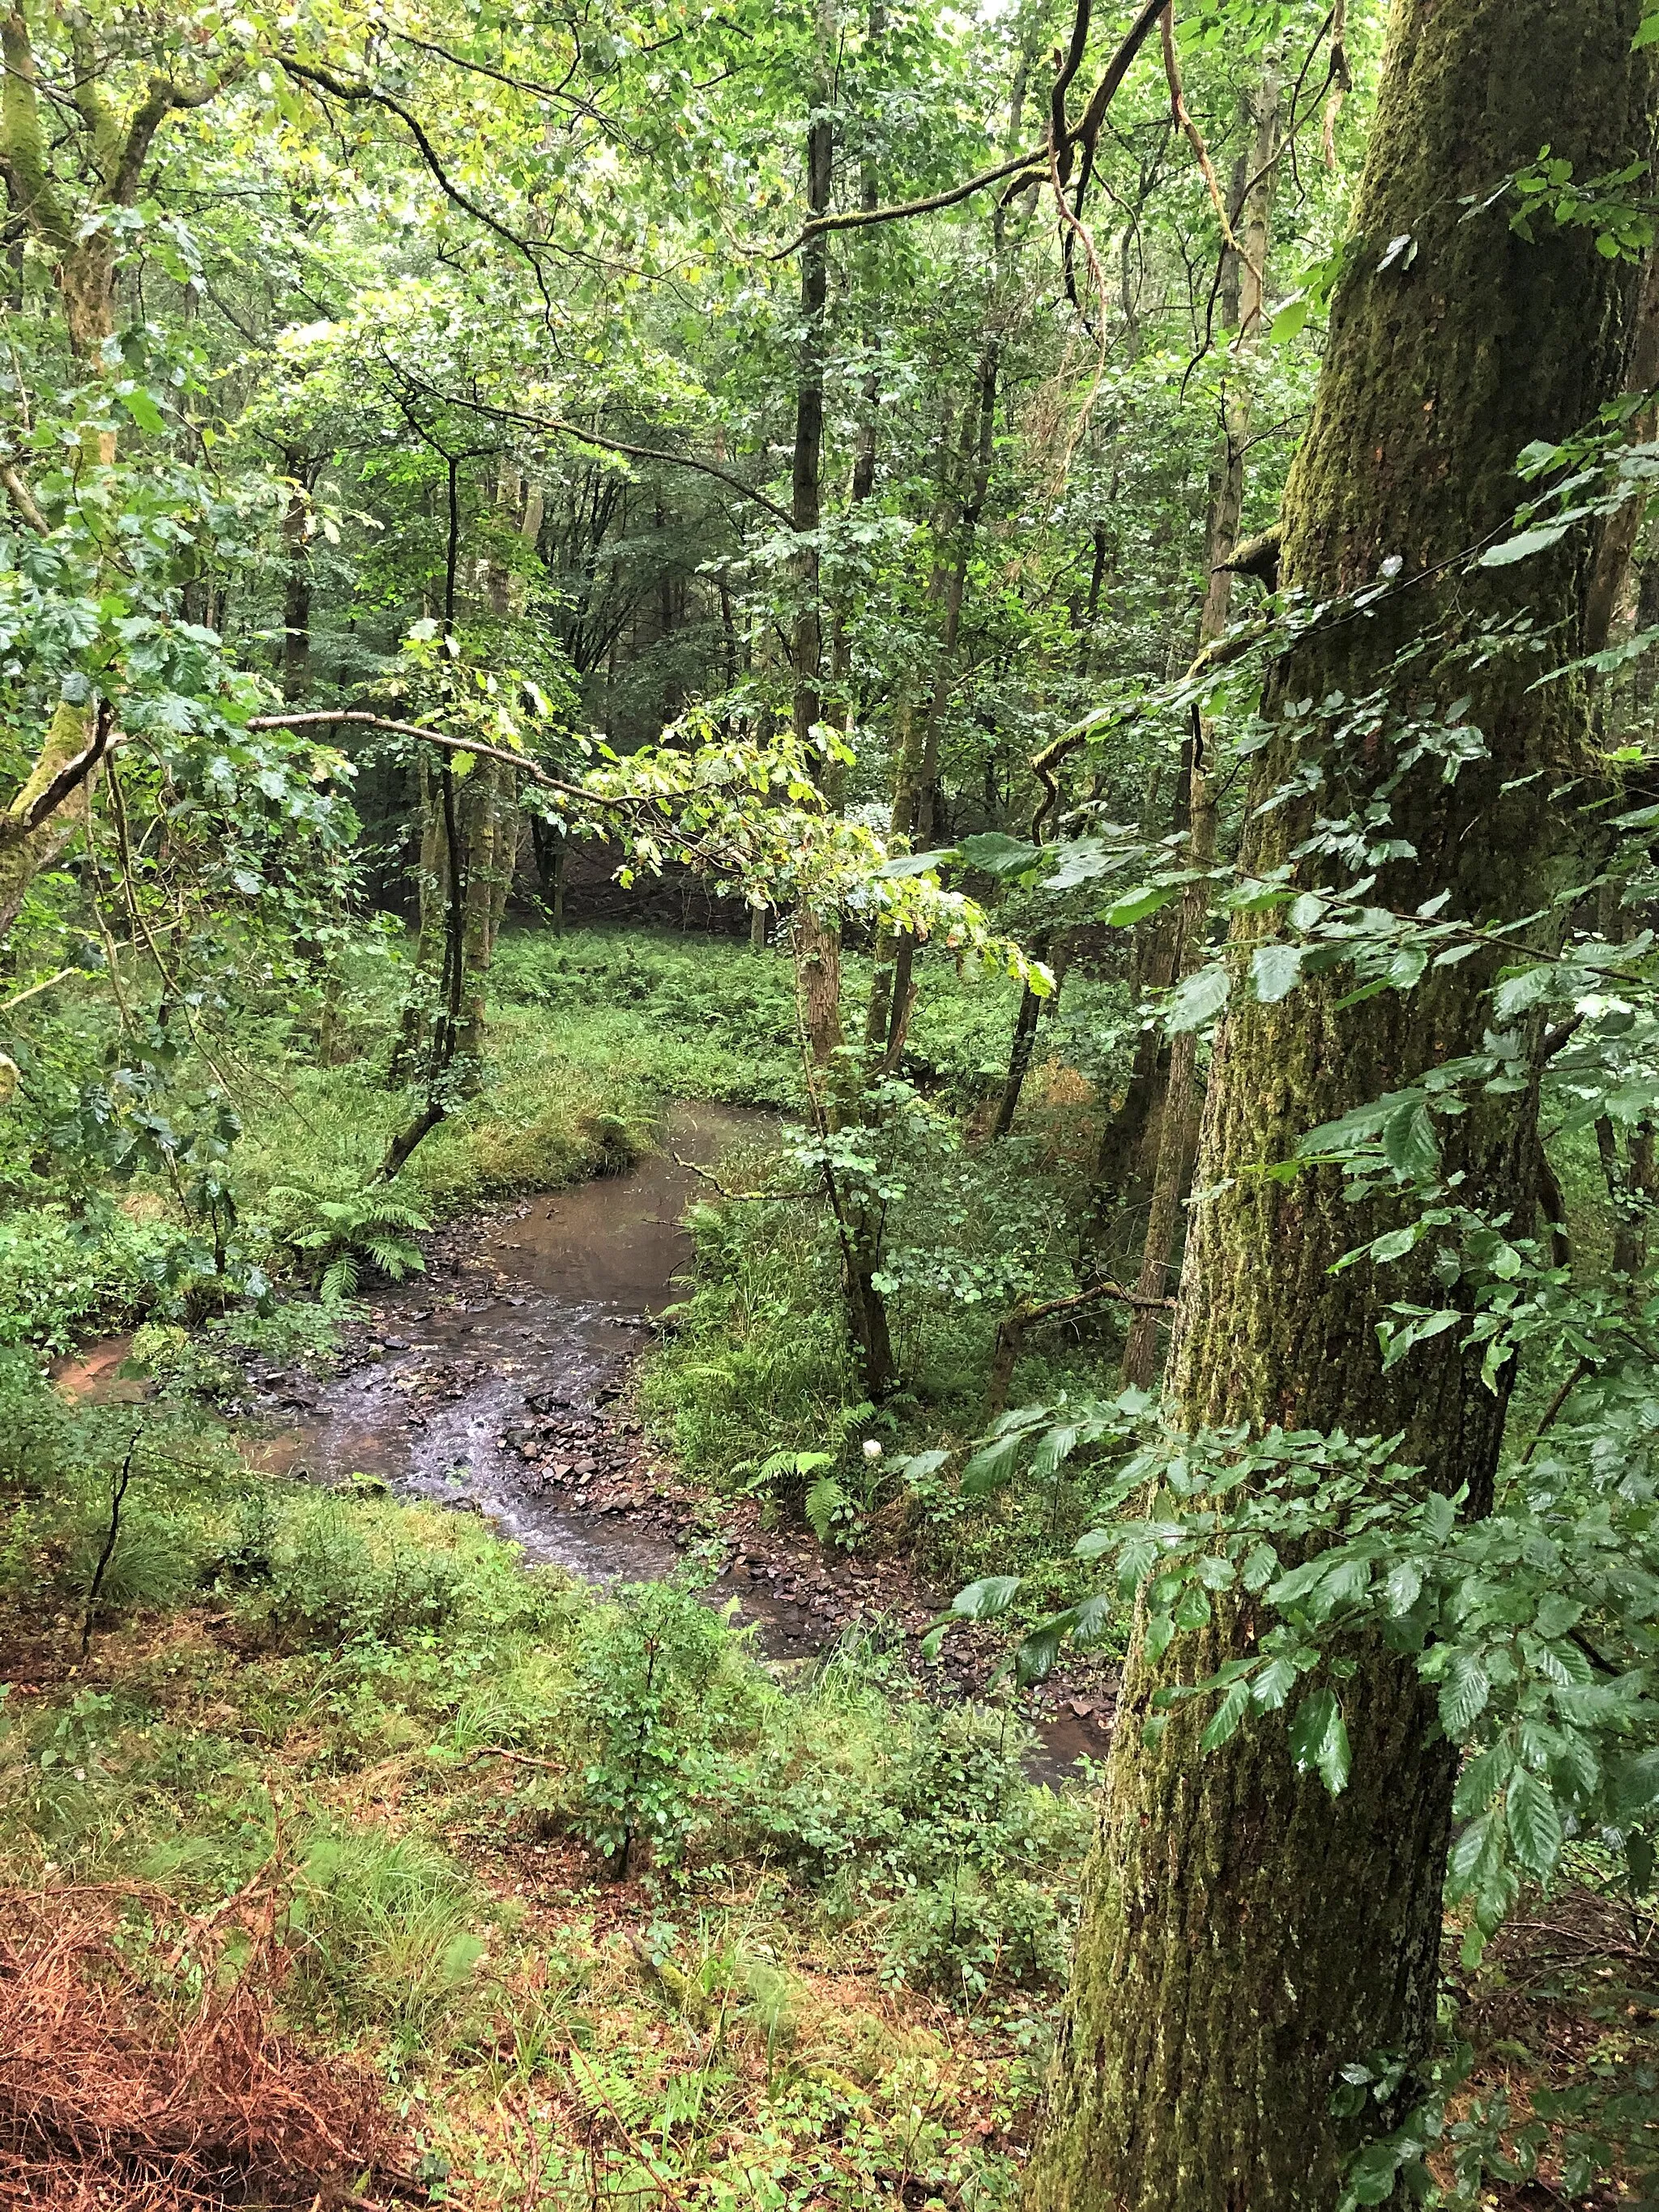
[[483, 1387]]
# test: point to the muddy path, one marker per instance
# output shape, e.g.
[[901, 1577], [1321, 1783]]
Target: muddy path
[[498, 1383]]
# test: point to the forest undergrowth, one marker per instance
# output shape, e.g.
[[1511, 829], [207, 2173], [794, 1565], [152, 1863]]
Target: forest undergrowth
[[600, 1907]]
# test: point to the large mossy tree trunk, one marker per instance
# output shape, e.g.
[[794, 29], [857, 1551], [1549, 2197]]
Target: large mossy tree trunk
[[1245, 1935]]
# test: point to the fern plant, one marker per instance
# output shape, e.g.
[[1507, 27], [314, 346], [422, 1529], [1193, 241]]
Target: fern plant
[[335, 1237]]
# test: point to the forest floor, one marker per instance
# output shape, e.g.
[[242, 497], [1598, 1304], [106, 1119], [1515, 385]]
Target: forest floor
[[316, 1892]]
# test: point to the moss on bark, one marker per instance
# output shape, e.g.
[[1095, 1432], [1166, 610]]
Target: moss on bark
[[1245, 1935]]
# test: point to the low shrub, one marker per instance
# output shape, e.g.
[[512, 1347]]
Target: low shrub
[[662, 1688], [327, 1570]]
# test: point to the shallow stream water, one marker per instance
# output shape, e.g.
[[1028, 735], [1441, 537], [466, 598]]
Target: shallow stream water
[[545, 1312], [552, 1308]]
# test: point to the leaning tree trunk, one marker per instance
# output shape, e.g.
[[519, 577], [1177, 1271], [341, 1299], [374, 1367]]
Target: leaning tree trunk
[[1244, 1936]]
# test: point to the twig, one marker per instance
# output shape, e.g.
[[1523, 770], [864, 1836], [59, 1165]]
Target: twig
[[518, 1758], [117, 1495], [621, 446], [45, 984], [1582, 1369], [708, 1175], [1339, 80]]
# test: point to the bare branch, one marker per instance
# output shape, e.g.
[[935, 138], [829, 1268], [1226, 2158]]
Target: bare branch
[[23, 500], [556, 422]]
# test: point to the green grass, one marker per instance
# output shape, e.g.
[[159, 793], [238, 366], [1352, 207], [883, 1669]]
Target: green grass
[[371, 1716]]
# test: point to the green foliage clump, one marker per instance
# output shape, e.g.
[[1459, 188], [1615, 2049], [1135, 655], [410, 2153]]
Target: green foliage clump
[[64, 1278], [334, 1236], [112, 1503], [706, 1016], [662, 1687], [758, 1363], [330, 1569], [385, 1930]]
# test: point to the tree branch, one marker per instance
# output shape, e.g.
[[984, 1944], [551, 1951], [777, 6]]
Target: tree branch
[[1087, 130], [321, 715], [310, 73], [621, 446], [23, 500], [48, 787]]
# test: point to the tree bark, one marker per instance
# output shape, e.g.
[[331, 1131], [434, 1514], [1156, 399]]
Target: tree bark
[[1245, 1935], [296, 583], [1175, 1112]]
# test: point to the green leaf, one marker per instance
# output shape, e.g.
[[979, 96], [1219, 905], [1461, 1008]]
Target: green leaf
[[1535, 1823], [1402, 1587], [1395, 1245], [1463, 1694], [1135, 906], [1276, 969], [1406, 966], [1516, 993], [1192, 1606], [983, 1599], [1482, 1779], [145, 413], [914, 864], [1318, 1739], [1374, 2173], [1523, 546], [1409, 1144], [995, 853], [1197, 998], [1273, 1685], [1228, 1715]]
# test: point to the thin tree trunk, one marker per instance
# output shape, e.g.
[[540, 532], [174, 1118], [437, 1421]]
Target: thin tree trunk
[[296, 583], [1244, 1935], [1176, 1112]]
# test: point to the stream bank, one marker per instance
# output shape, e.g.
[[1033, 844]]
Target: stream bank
[[498, 1383]]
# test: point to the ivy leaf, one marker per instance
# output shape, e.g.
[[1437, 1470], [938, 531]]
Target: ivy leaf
[[1535, 1823]]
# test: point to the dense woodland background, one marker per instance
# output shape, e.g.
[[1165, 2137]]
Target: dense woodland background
[[1056, 598]]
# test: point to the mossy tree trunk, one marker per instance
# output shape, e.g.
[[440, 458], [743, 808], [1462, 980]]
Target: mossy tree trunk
[[1244, 1935]]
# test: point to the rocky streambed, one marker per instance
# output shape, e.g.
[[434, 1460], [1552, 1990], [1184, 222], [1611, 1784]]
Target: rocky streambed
[[498, 1383]]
